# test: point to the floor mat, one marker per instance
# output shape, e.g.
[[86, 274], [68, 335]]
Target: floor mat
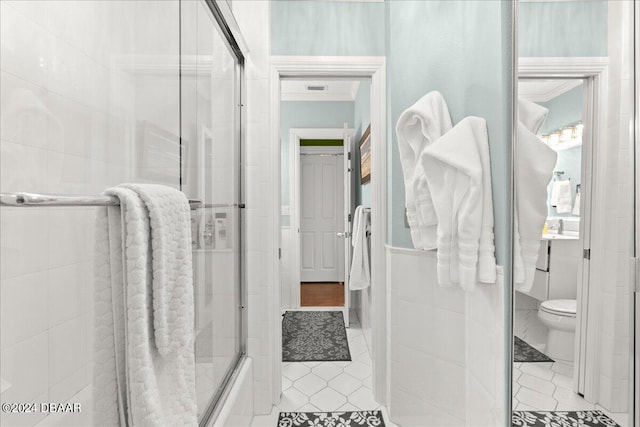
[[314, 336], [523, 352], [331, 419], [561, 419]]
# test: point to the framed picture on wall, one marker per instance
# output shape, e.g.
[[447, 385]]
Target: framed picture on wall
[[365, 156]]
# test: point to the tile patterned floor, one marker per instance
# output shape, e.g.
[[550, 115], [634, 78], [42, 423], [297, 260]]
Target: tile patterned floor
[[546, 386], [328, 386]]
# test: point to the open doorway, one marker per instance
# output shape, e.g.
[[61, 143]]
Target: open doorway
[[354, 378], [559, 320], [320, 205], [321, 123], [326, 358]]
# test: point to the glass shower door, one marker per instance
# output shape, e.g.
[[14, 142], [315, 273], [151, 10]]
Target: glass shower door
[[210, 87]]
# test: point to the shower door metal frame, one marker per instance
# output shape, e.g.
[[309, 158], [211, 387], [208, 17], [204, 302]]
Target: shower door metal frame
[[231, 33], [635, 300]]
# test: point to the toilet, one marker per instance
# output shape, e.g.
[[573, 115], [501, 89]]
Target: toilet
[[559, 316]]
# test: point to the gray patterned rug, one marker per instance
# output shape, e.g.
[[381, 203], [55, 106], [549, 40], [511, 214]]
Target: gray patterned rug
[[331, 419], [561, 419], [314, 336], [523, 352]]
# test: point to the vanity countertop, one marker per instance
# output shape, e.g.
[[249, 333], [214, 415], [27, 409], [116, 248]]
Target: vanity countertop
[[559, 237]]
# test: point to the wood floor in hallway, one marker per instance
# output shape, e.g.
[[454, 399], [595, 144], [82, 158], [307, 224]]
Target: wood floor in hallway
[[319, 294]]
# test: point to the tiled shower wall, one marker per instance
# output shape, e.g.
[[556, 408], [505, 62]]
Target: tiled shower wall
[[70, 101], [254, 20]]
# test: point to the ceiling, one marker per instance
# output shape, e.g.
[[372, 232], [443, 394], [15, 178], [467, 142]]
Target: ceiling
[[333, 90], [543, 90]]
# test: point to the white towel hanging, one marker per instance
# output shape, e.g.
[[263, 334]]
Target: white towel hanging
[[360, 275], [418, 127], [458, 173], [144, 310], [562, 190], [576, 205]]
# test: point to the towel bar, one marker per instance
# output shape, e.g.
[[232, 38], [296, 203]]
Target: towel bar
[[35, 200]]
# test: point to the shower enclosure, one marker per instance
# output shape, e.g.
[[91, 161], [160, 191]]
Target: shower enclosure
[[94, 94]]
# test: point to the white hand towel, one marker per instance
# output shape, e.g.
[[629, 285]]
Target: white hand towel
[[144, 310], [553, 196], [455, 170], [360, 277], [417, 127], [563, 193], [576, 205]]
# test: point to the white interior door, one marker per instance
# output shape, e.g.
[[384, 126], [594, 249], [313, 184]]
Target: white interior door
[[321, 215]]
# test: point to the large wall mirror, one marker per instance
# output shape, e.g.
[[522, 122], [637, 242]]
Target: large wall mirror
[[573, 223]]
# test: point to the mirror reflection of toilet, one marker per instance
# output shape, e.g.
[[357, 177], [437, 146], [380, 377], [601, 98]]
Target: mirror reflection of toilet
[[559, 316], [555, 289]]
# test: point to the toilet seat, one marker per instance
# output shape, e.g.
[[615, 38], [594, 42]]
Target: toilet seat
[[560, 307]]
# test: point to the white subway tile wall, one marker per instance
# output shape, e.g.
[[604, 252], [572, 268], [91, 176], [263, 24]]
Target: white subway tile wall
[[253, 17], [447, 347], [614, 323], [69, 103]]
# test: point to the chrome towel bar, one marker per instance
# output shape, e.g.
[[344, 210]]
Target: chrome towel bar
[[35, 200]]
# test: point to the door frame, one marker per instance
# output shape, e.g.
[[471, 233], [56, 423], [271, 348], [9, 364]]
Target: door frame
[[318, 67], [594, 71], [295, 135]]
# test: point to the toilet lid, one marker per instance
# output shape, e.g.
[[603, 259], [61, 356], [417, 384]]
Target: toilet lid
[[562, 307]]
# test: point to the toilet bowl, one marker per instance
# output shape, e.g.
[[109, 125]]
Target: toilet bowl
[[559, 316]]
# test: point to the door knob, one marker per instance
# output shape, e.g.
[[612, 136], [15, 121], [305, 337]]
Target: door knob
[[345, 234]]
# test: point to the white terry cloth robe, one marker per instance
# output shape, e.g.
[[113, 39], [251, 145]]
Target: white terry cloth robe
[[417, 127], [360, 276], [144, 372], [457, 171], [534, 162], [531, 115]]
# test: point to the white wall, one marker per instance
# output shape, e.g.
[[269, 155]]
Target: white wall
[[362, 119], [261, 222], [447, 347], [70, 106], [615, 296], [75, 84], [287, 298]]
